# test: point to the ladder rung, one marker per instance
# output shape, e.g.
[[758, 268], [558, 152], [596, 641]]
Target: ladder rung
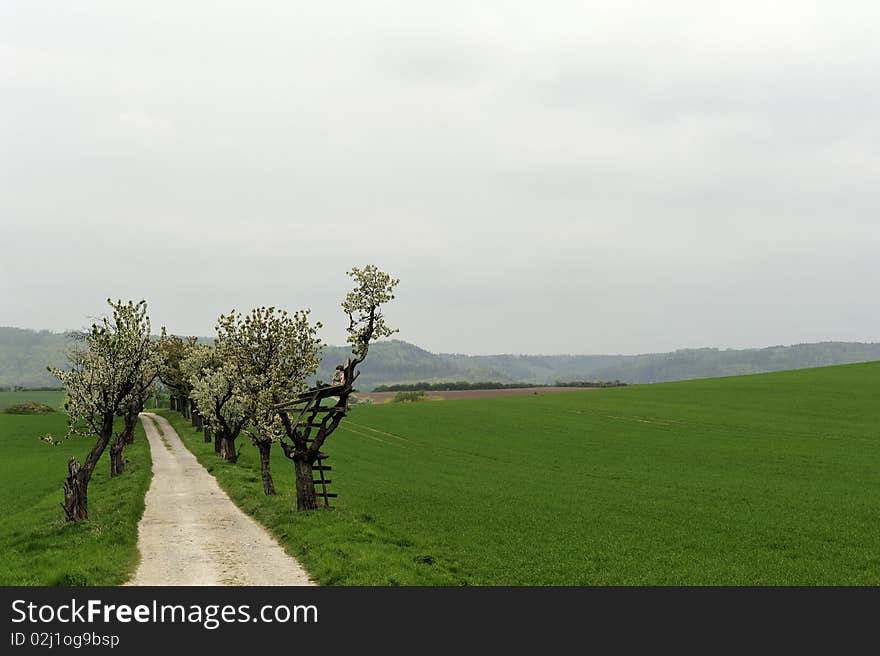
[[327, 482]]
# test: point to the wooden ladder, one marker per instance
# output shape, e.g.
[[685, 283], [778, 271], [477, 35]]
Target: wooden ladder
[[322, 480]]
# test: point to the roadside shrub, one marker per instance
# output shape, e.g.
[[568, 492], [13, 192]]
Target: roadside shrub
[[29, 408], [403, 397]]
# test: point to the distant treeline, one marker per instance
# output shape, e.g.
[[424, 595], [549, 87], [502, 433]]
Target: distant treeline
[[16, 388], [462, 385]]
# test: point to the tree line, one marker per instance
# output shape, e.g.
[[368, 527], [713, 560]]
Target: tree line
[[237, 386]]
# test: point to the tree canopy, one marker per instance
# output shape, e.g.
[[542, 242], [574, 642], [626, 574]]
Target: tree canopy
[[273, 353], [363, 305]]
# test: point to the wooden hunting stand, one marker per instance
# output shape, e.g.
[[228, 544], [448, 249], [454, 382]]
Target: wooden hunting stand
[[311, 417]]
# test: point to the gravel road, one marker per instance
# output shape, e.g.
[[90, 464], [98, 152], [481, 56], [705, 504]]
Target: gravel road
[[191, 532]]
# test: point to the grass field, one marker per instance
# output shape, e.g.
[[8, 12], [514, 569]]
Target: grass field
[[768, 479], [39, 547], [52, 399]]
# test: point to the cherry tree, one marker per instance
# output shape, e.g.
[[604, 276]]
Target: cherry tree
[[273, 353], [304, 430], [132, 406], [114, 358], [218, 395], [174, 351]]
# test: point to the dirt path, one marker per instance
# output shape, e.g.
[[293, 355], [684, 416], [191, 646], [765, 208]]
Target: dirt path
[[191, 532]]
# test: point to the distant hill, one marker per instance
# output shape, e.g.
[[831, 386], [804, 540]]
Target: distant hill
[[400, 362], [24, 355]]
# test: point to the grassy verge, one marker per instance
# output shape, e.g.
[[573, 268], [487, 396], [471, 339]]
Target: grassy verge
[[39, 547], [756, 480]]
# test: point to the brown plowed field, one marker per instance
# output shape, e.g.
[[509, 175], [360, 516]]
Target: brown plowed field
[[384, 397]]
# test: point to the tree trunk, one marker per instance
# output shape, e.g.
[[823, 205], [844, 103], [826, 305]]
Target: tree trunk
[[227, 449], [76, 493], [268, 484], [207, 435], [117, 448], [217, 441], [131, 417], [76, 485], [305, 487], [117, 457]]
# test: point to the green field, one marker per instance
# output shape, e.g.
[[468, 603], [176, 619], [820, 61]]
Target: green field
[[52, 399], [768, 479], [39, 547]]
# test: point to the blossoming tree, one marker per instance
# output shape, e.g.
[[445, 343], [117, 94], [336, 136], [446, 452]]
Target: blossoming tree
[[218, 395], [272, 353], [132, 406], [306, 423], [114, 359], [174, 351]]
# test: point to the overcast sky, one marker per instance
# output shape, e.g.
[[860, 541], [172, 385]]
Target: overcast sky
[[543, 177]]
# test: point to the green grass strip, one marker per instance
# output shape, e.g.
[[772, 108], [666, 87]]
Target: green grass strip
[[39, 546]]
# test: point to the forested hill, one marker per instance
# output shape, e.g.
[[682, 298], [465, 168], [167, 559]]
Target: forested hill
[[399, 362], [24, 355]]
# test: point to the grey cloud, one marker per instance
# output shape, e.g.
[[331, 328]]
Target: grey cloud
[[575, 177]]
